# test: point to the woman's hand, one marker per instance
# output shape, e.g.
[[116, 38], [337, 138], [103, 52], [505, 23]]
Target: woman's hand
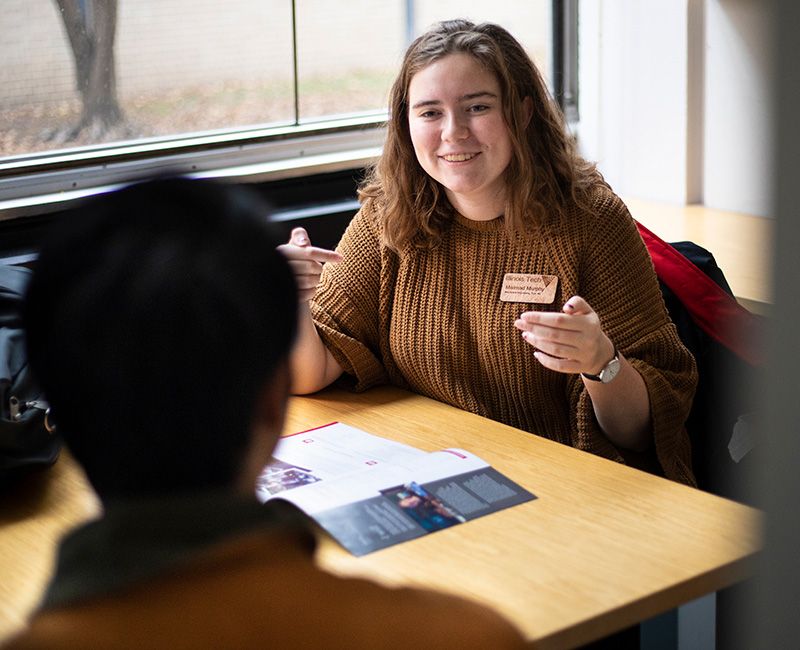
[[312, 364], [571, 341], [306, 262]]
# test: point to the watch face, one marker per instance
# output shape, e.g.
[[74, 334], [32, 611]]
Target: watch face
[[610, 371]]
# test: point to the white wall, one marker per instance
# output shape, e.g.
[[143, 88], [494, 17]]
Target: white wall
[[633, 59], [738, 143], [673, 100]]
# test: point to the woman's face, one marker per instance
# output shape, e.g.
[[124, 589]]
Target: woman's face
[[459, 135]]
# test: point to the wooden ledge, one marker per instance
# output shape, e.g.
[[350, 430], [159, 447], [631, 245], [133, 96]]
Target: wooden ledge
[[741, 243]]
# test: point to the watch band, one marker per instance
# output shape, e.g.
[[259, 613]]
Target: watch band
[[612, 366]]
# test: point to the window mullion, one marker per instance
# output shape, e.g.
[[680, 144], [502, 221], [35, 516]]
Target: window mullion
[[295, 77]]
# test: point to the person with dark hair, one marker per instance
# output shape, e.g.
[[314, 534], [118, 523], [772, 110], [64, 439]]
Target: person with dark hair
[[159, 321], [492, 268]]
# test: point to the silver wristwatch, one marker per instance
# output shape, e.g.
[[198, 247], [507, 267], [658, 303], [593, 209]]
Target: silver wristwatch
[[609, 371]]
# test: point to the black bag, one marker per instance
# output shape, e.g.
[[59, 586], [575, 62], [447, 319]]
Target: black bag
[[27, 442]]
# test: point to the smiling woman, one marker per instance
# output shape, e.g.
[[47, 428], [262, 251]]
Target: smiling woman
[[491, 267]]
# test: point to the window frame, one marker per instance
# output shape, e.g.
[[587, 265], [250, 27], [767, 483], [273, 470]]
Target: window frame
[[565, 57], [52, 181]]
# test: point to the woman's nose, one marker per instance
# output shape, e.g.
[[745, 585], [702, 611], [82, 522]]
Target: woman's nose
[[455, 128]]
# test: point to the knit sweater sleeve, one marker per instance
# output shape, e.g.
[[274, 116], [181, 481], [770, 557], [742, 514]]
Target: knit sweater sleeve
[[346, 305], [619, 282]]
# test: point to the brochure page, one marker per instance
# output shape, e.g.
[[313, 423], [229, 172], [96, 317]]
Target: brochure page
[[369, 492]]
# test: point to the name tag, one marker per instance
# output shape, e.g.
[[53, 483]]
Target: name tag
[[528, 287]]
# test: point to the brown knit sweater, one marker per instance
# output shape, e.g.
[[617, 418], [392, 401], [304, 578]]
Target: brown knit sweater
[[432, 321]]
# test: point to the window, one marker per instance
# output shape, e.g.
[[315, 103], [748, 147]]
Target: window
[[102, 91]]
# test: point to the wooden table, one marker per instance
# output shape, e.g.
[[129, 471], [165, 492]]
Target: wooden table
[[603, 547]]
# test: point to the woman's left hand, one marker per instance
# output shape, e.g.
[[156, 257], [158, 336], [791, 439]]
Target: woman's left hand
[[571, 341]]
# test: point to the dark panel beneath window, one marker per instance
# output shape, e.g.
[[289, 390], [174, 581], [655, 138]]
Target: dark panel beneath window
[[19, 238], [323, 204], [310, 190]]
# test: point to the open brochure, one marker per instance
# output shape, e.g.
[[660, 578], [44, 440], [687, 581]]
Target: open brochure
[[369, 492]]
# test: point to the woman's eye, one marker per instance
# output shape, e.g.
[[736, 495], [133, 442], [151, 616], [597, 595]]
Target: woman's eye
[[478, 108], [428, 114]]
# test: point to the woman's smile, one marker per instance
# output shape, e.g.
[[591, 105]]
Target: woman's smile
[[459, 157]]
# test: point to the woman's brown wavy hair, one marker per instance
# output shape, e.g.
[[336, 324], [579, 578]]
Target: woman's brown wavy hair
[[546, 175]]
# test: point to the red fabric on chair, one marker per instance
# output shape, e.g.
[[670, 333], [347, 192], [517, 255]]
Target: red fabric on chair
[[714, 310]]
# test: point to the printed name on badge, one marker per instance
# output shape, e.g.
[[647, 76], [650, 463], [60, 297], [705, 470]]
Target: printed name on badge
[[529, 287]]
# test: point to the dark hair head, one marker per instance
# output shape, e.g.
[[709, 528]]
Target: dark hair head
[[545, 174], [155, 316]]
